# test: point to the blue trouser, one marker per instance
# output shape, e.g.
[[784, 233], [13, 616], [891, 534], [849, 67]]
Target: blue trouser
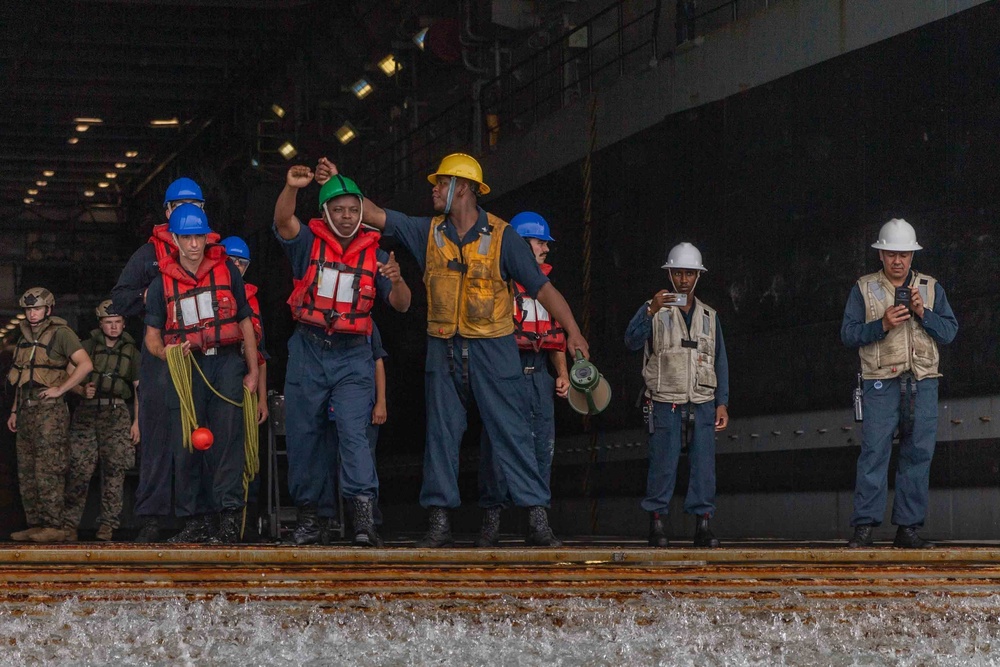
[[882, 412], [216, 472], [153, 495], [665, 452], [338, 376], [487, 371], [541, 387], [328, 499]]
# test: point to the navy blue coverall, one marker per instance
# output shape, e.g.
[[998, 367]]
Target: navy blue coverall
[[488, 371]]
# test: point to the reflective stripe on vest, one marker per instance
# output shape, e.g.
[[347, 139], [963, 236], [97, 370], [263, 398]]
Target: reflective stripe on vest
[[337, 291], [466, 293], [35, 363], [201, 309], [534, 327], [908, 347], [679, 365]]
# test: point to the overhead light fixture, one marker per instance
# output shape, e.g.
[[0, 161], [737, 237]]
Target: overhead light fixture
[[103, 184], [120, 165], [73, 140], [48, 173], [88, 193], [389, 66], [164, 122], [346, 133], [41, 184], [131, 153], [14, 321], [32, 191], [88, 121], [29, 200], [361, 88], [82, 127], [287, 150], [277, 111], [21, 316], [111, 175], [419, 38]]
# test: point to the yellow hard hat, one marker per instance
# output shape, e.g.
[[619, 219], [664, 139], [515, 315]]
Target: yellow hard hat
[[462, 166]]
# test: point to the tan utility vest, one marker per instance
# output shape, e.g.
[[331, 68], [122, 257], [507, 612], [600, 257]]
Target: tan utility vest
[[678, 365], [465, 291], [908, 347], [34, 360]]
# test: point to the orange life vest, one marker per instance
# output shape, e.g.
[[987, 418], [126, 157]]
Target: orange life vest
[[201, 309], [255, 319], [337, 291], [534, 327], [163, 241]]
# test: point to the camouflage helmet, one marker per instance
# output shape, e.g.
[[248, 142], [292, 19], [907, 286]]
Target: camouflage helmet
[[35, 297], [106, 309]]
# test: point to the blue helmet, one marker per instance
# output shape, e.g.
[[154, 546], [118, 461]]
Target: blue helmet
[[530, 225], [236, 247], [183, 188], [188, 220]]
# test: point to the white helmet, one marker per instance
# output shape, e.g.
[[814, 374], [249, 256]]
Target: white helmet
[[898, 235], [684, 256]]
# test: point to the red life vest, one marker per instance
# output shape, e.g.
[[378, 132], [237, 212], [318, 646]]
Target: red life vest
[[337, 291], [201, 309], [255, 320], [533, 326], [163, 241]]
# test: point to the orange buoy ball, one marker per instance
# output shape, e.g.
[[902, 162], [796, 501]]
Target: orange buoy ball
[[202, 438]]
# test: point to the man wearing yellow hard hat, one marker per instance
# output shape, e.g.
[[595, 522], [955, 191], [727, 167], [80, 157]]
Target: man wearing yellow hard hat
[[469, 258]]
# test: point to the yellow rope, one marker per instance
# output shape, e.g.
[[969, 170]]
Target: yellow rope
[[180, 373]]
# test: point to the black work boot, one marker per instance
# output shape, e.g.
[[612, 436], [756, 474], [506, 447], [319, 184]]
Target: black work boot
[[365, 534], [195, 531], [307, 530], [439, 532], [325, 531], [539, 533], [703, 537], [489, 534], [862, 537], [657, 533], [229, 527], [907, 538], [149, 531]]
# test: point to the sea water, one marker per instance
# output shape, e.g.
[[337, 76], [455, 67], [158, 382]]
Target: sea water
[[790, 629]]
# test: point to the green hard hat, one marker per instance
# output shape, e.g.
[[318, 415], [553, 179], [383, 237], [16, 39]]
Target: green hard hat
[[338, 185]]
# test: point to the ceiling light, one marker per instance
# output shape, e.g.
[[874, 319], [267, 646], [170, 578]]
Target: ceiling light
[[29, 200], [361, 88], [82, 127], [389, 66], [164, 122], [287, 150], [88, 193], [48, 173], [346, 133], [120, 165], [41, 184], [72, 140], [131, 153], [21, 316], [419, 38], [103, 184], [89, 121], [32, 191], [111, 174], [277, 111], [14, 321]]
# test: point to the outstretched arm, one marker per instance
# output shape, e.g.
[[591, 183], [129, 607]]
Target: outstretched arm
[[554, 302]]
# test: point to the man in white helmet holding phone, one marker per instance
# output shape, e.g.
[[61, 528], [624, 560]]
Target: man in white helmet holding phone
[[687, 372], [896, 317]]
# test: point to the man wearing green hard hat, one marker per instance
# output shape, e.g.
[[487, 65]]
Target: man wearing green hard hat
[[338, 271]]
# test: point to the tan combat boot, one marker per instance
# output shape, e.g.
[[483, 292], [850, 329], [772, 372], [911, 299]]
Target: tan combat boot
[[49, 535], [104, 532], [25, 535], [69, 535]]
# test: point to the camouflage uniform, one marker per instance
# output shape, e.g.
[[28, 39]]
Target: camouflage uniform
[[40, 360], [101, 431]]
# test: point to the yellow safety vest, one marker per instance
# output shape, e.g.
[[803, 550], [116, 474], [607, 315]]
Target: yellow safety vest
[[908, 347], [679, 365], [465, 291]]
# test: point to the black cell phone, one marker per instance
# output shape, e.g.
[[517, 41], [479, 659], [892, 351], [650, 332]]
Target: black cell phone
[[902, 297]]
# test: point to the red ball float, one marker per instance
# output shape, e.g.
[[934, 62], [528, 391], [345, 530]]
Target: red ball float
[[202, 438]]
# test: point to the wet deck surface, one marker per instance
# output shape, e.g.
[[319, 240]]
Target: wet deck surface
[[622, 570]]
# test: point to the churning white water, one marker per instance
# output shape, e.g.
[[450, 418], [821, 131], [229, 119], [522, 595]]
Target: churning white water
[[652, 630]]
